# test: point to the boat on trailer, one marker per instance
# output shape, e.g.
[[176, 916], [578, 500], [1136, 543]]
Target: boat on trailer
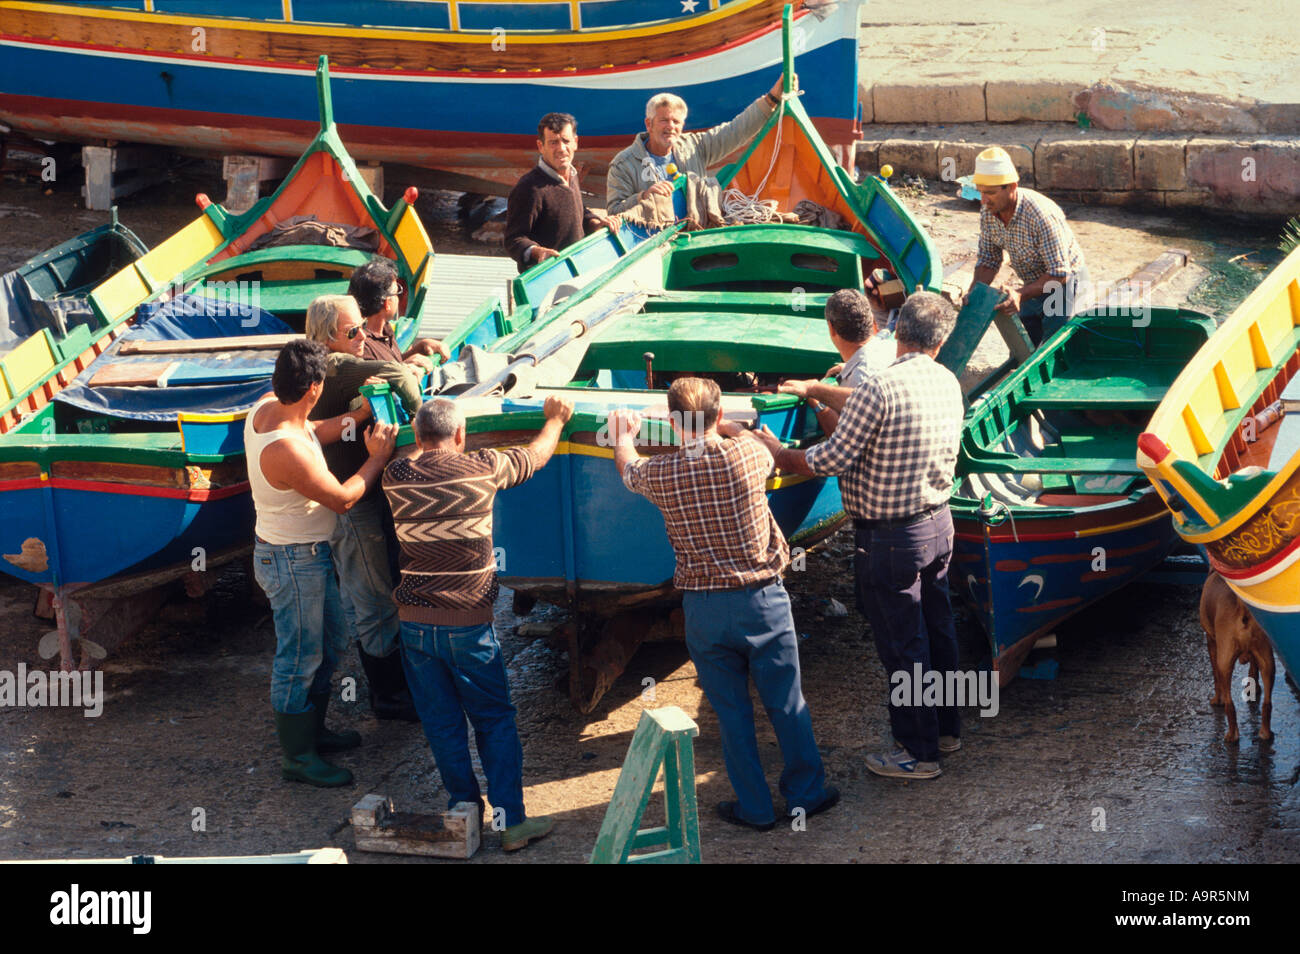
[[121, 457], [742, 304], [1050, 510], [1223, 451]]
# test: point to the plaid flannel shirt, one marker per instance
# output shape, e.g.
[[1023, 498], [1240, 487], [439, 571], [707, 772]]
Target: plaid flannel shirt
[[714, 500], [895, 446], [1037, 239]]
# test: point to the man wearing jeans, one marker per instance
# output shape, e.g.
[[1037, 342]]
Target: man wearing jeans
[[730, 555], [895, 449], [359, 545], [442, 507], [297, 501]]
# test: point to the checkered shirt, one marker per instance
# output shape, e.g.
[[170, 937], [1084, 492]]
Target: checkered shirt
[[713, 495], [895, 445], [1037, 239]]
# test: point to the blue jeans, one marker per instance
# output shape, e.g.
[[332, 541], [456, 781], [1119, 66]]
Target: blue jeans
[[365, 577], [735, 634], [454, 672], [310, 633], [902, 587]]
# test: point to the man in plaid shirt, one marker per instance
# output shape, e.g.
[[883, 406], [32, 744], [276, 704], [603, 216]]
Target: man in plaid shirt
[[895, 449], [730, 554], [1031, 229]]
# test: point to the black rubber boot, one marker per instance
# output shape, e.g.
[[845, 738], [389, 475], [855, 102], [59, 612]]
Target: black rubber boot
[[389, 696], [327, 741], [300, 763]]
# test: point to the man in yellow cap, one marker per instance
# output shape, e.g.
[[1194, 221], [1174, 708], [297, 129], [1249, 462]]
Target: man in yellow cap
[[1031, 229]]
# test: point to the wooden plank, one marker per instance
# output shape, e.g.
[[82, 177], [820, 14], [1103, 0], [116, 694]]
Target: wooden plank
[[142, 374], [203, 345]]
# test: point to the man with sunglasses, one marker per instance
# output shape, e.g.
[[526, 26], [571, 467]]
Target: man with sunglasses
[[379, 292], [359, 545]]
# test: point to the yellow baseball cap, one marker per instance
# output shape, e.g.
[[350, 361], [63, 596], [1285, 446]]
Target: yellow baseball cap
[[993, 167]]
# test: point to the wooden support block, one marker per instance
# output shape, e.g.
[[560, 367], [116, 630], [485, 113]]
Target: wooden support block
[[116, 171], [451, 834], [244, 176], [373, 176]]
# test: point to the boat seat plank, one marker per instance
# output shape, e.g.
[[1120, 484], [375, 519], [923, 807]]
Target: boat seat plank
[[716, 341], [1074, 394], [780, 303], [199, 345], [273, 255], [130, 374]]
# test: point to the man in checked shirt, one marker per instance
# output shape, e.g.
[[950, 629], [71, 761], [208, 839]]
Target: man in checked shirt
[[895, 448], [1031, 229], [730, 555]]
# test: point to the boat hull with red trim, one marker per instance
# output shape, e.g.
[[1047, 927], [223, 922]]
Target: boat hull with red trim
[[483, 120]]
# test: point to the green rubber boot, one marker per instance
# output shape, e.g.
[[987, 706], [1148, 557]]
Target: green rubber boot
[[300, 763], [327, 741]]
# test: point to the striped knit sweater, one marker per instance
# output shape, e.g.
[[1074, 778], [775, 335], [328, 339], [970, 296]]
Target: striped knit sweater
[[442, 508]]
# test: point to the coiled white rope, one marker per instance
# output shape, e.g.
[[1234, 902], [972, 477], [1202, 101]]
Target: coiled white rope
[[750, 209]]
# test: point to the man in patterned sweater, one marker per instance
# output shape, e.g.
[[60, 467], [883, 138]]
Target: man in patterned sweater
[[442, 507]]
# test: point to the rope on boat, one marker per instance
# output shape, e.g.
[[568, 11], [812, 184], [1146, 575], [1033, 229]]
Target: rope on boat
[[750, 209]]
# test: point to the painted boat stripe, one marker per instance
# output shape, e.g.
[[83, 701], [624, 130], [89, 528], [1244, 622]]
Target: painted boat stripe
[[130, 490], [370, 33]]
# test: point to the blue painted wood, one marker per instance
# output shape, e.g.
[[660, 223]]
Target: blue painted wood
[[381, 13], [514, 16], [249, 9]]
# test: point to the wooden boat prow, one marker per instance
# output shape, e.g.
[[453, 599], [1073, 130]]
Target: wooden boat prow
[[1231, 479]]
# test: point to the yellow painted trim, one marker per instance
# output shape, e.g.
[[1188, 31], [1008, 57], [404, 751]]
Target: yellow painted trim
[[1160, 515], [453, 14], [575, 15], [412, 239], [368, 33], [198, 417], [286, 8], [148, 5]]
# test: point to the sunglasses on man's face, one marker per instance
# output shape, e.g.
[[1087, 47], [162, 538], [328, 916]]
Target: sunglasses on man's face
[[399, 291], [351, 333]]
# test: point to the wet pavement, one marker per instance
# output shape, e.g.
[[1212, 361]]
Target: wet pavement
[[1120, 758]]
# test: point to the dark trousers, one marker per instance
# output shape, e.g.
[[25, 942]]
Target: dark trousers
[[733, 635], [901, 575], [1044, 314]]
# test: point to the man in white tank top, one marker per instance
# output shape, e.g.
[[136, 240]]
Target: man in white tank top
[[297, 500]]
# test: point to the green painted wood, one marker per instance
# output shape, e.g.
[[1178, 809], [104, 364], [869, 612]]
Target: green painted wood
[[662, 738], [972, 322], [798, 255], [715, 341]]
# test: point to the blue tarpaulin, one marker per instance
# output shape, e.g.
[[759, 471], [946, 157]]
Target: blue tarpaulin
[[247, 374]]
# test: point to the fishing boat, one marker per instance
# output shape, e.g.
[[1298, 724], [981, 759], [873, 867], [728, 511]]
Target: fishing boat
[[51, 289], [455, 85], [1223, 451], [121, 461], [1050, 511], [743, 304]]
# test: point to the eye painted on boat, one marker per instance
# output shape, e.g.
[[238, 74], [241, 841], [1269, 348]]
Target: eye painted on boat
[[817, 263], [715, 262]]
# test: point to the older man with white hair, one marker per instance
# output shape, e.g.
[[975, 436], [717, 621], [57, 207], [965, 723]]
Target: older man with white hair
[[642, 168], [359, 546]]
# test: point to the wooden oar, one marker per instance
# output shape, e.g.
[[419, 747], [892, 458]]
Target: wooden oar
[[201, 345]]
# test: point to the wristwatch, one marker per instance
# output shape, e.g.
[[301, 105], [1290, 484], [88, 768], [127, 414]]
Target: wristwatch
[[816, 405], [772, 99]]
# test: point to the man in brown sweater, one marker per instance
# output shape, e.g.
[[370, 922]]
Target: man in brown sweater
[[442, 506], [545, 212]]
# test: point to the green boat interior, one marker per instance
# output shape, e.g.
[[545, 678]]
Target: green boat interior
[[1061, 430]]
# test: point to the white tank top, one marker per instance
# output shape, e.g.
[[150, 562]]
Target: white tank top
[[284, 516]]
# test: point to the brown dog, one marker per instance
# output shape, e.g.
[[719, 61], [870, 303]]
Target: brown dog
[[1233, 636]]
